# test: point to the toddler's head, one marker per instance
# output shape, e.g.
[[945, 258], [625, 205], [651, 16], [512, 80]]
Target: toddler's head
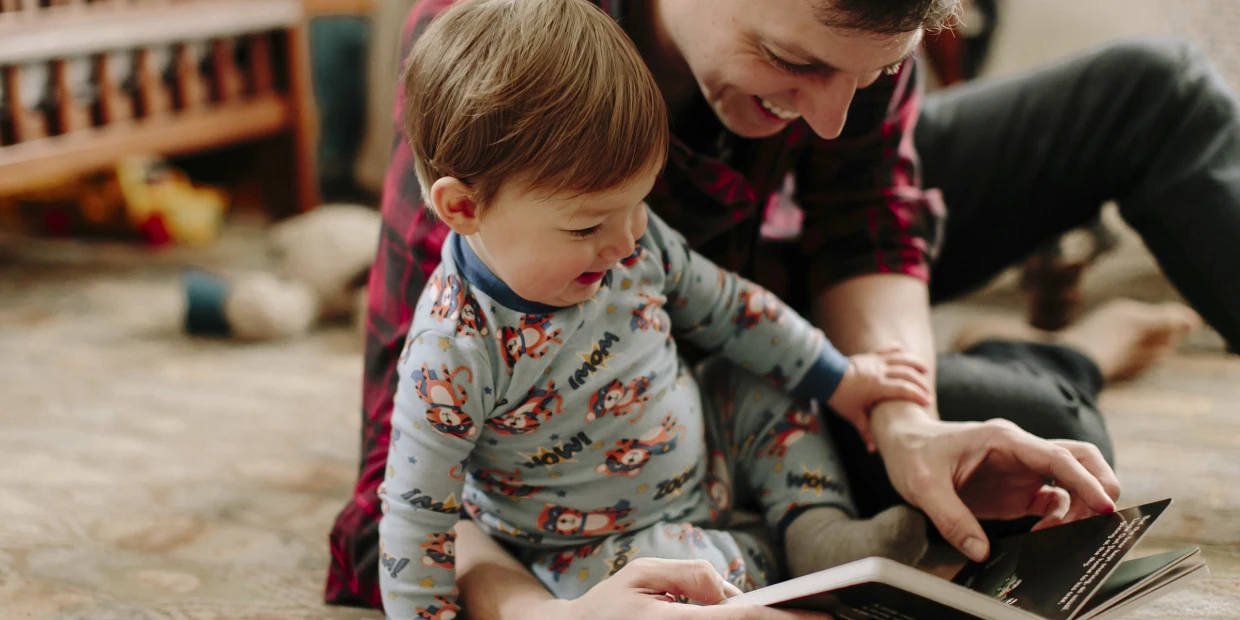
[[537, 131]]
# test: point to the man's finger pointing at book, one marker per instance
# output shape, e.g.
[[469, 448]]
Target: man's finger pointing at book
[[1059, 460]]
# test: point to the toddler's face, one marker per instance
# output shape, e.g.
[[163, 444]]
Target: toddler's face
[[555, 249]]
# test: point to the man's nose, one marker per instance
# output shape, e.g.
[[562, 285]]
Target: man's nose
[[824, 103]]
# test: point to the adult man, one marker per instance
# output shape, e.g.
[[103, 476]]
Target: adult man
[[825, 90]]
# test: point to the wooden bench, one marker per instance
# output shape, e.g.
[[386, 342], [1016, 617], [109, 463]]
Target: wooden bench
[[84, 83]]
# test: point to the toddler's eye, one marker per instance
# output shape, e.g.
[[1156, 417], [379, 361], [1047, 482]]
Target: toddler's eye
[[585, 232]]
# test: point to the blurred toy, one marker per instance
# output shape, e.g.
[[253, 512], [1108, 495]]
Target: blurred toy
[[162, 203], [323, 259], [141, 198]]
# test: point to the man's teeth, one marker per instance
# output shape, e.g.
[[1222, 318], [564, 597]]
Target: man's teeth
[[778, 111]]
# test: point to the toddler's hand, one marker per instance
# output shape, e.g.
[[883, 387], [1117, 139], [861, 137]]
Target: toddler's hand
[[886, 374]]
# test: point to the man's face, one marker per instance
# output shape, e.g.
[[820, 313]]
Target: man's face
[[763, 65]]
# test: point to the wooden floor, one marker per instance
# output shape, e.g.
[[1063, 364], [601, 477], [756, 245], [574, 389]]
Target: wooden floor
[[147, 475]]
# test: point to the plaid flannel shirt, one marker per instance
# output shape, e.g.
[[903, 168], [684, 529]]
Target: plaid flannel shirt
[[864, 212]]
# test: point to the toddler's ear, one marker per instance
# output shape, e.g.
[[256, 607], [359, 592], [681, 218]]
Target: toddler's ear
[[453, 203]]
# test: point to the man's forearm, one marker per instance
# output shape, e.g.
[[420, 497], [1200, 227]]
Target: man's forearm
[[493, 584], [867, 312]]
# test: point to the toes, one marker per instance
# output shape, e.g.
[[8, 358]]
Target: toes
[[1183, 317], [1175, 320]]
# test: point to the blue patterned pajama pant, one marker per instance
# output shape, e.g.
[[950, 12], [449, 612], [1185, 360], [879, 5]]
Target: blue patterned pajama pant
[[764, 446]]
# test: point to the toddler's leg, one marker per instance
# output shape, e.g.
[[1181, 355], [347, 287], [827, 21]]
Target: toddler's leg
[[782, 452], [740, 558]]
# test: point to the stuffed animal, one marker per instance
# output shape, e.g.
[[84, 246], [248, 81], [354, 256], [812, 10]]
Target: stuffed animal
[[142, 197], [323, 258]]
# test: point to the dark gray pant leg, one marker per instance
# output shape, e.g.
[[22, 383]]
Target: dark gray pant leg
[[1148, 123]]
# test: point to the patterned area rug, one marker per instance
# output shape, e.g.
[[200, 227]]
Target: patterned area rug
[[144, 474]]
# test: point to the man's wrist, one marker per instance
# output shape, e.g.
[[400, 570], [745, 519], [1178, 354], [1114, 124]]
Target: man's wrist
[[545, 609], [890, 419]]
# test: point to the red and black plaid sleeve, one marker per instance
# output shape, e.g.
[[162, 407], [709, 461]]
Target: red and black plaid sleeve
[[409, 247], [865, 211]]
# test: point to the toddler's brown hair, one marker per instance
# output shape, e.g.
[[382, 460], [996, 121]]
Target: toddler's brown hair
[[550, 92]]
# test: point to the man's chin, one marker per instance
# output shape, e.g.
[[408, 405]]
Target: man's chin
[[752, 134], [751, 128]]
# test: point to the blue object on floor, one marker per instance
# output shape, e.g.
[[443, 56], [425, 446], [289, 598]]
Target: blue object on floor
[[205, 295]]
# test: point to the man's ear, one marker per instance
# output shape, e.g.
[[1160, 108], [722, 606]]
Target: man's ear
[[454, 204]]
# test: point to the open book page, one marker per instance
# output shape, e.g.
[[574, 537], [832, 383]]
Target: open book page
[[1135, 575], [1054, 572], [876, 601], [880, 589], [1172, 581]]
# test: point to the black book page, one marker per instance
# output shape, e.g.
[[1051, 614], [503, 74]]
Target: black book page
[[1053, 572], [876, 601]]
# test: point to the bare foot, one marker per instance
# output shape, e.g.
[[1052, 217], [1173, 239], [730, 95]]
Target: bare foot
[[1123, 337]]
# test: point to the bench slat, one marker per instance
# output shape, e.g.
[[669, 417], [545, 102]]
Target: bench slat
[[28, 36]]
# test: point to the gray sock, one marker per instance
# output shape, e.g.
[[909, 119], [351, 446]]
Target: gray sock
[[822, 538]]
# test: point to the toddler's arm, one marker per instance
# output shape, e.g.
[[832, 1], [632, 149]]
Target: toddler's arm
[[724, 313], [438, 412]]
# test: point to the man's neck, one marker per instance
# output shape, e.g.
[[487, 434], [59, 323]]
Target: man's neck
[[649, 29]]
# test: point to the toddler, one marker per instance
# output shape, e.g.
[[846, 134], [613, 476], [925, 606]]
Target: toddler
[[540, 390]]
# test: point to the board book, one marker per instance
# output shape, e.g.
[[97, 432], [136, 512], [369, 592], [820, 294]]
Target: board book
[[1074, 571]]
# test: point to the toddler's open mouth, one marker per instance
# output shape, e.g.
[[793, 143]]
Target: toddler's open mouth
[[590, 277]]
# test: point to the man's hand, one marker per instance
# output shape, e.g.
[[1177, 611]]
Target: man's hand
[[960, 472], [645, 589]]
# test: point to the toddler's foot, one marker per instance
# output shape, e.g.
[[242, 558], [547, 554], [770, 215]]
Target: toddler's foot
[[822, 538]]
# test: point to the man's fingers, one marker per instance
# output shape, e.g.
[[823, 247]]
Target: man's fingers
[[1078, 511], [1051, 459], [889, 349], [1091, 458], [953, 519], [699, 581], [695, 579], [1052, 504]]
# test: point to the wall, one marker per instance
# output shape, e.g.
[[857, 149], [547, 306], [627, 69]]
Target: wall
[[1032, 32]]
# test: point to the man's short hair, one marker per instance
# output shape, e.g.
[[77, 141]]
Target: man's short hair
[[886, 17]]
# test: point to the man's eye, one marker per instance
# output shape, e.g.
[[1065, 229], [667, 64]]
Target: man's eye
[[788, 67], [585, 232]]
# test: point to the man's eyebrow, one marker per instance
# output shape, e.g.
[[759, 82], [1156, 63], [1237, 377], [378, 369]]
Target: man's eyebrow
[[804, 57]]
